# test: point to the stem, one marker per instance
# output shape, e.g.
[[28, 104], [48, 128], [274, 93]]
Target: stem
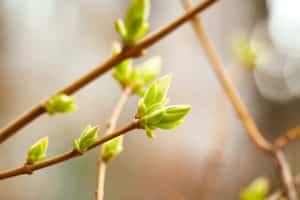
[[134, 51], [111, 126], [29, 169], [275, 195], [228, 86], [286, 176], [241, 109], [287, 137]]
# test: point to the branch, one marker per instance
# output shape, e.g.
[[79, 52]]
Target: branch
[[29, 169], [275, 195], [136, 50], [241, 109], [286, 175], [111, 126], [287, 137], [226, 83]]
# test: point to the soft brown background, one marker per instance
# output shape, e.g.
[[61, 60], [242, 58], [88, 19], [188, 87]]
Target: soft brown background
[[47, 44]]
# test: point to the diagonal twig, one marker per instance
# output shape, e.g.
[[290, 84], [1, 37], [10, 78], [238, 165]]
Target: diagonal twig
[[287, 137], [29, 169]]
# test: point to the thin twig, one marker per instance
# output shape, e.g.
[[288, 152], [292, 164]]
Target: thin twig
[[246, 119], [29, 169], [39, 109], [111, 126], [226, 83], [275, 195], [286, 175], [287, 137]]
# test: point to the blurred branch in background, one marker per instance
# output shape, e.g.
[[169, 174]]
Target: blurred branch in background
[[253, 132], [112, 123]]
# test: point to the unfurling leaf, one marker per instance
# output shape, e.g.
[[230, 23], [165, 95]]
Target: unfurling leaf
[[37, 152], [156, 94], [257, 190], [112, 149], [87, 138], [136, 22], [60, 104], [165, 118], [152, 111]]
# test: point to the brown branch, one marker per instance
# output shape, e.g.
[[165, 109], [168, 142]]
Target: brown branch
[[287, 137], [38, 110], [226, 83], [111, 126], [286, 175], [29, 169], [278, 193], [246, 119]]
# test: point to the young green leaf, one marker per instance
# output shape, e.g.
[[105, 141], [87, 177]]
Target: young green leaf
[[60, 104], [112, 149], [37, 151], [166, 118], [88, 137], [157, 92], [257, 190]]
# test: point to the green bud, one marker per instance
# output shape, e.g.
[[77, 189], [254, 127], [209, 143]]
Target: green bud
[[257, 190], [37, 152], [157, 91], [120, 28], [88, 137], [149, 132], [141, 109], [60, 104], [136, 25], [249, 53], [152, 111], [123, 70], [112, 149]]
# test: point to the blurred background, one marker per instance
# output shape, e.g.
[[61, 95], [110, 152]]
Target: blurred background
[[47, 44]]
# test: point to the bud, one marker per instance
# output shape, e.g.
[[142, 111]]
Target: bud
[[123, 70], [112, 149], [136, 25], [157, 91], [257, 190], [60, 104], [120, 28], [88, 137], [37, 152]]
